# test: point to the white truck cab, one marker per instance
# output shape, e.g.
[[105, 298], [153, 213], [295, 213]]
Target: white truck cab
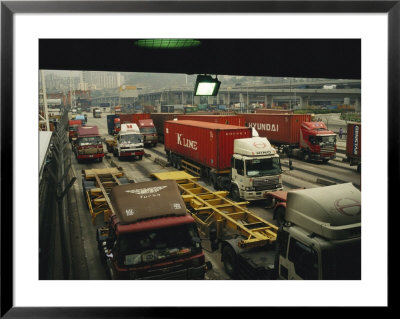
[[321, 236], [130, 141], [256, 169]]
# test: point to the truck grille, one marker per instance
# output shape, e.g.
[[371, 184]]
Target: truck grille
[[265, 183], [327, 150]]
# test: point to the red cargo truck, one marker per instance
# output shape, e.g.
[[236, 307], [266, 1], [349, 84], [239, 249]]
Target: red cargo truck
[[73, 129], [226, 155], [353, 145], [221, 119], [149, 131], [296, 135], [88, 144]]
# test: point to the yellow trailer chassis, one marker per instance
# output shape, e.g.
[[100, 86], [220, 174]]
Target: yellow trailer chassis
[[214, 209]]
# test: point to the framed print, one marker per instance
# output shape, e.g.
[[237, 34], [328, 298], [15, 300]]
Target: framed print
[[356, 40]]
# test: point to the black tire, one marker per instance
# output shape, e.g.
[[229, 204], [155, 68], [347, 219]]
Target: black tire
[[178, 163], [229, 258], [235, 194], [140, 157], [279, 215], [173, 160], [214, 181], [306, 157], [100, 159], [115, 152], [359, 168]]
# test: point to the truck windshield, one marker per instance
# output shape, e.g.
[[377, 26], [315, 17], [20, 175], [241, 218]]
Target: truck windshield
[[73, 128], [157, 244], [342, 262], [148, 130], [264, 166], [90, 140], [130, 139], [329, 139]]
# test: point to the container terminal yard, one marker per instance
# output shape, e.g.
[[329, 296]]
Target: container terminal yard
[[222, 188]]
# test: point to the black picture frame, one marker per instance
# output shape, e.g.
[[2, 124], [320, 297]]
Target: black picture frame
[[9, 8]]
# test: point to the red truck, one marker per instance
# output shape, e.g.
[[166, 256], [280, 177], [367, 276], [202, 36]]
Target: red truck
[[88, 144], [150, 234], [73, 129], [296, 135], [353, 145], [149, 131]]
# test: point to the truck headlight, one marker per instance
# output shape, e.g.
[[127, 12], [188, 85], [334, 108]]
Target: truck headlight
[[249, 188]]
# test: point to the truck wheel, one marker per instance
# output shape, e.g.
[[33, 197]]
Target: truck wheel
[[229, 258], [359, 168], [235, 193], [140, 157], [100, 159], [214, 181], [155, 144], [306, 157], [279, 215], [115, 153]]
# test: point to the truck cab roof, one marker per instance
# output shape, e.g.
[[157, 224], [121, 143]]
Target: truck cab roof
[[332, 212], [147, 200], [129, 128], [318, 127], [88, 131], [254, 146], [145, 122]]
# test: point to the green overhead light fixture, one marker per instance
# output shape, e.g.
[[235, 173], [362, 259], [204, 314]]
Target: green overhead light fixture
[[167, 43], [206, 86]]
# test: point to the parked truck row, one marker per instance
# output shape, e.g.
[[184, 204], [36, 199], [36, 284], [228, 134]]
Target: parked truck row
[[142, 120]]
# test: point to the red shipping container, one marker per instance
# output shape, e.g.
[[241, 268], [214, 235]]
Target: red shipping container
[[278, 128], [159, 119], [209, 144], [221, 119], [353, 142], [134, 117]]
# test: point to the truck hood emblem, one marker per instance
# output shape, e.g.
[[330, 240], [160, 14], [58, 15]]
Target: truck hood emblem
[[147, 190]]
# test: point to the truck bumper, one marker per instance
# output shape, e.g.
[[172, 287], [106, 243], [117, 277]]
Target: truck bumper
[[323, 157], [80, 156], [257, 195], [131, 153]]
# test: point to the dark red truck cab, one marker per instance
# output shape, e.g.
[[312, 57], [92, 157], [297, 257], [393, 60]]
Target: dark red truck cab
[[150, 234], [88, 144]]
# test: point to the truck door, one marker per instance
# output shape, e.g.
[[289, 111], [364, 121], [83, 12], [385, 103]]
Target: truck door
[[237, 168], [301, 261]]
